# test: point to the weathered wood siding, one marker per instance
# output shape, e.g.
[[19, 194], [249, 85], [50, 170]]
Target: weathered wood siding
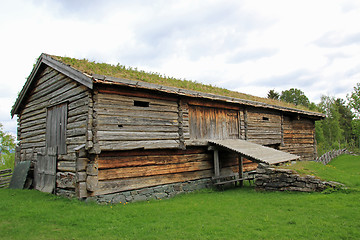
[[50, 89], [263, 126], [299, 137], [124, 122], [125, 170], [213, 123]]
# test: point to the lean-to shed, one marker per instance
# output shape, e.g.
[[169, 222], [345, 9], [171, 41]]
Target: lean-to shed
[[105, 137]]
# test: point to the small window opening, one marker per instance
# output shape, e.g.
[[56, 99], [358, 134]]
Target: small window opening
[[120, 126], [141, 104], [265, 118]]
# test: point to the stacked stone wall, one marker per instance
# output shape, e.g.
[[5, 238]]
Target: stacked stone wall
[[274, 179], [150, 193]]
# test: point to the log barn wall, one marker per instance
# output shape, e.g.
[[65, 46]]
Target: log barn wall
[[120, 171], [299, 137], [263, 126], [52, 88], [122, 137], [135, 121], [128, 170]]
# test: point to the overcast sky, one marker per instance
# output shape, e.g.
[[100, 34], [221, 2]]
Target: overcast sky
[[244, 45]]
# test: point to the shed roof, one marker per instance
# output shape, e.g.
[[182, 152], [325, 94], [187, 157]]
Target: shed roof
[[255, 151], [88, 78]]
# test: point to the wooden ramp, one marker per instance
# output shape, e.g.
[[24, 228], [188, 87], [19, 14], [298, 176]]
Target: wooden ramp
[[254, 151]]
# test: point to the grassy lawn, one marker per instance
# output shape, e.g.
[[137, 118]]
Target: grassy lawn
[[240, 213]]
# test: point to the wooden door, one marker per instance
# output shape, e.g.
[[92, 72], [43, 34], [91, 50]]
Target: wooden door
[[213, 123], [56, 123], [45, 167], [45, 171]]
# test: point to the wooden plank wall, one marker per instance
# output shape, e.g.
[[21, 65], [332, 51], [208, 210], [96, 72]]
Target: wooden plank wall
[[299, 137], [213, 123], [52, 88], [128, 170], [263, 126], [134, 169], [130, 122]]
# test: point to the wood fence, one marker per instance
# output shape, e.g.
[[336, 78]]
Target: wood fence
[[327, 157], [5, 177]]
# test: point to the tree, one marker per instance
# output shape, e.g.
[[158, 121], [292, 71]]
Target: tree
[[273, 95], [332, 126], [7, 148], [295, 96], [354, 99], [346, 117]]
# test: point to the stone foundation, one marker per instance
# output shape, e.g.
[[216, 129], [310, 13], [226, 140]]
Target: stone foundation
[[273, 179], [158, 192]]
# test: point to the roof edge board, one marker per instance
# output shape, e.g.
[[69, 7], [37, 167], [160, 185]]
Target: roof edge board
[[68, 71]]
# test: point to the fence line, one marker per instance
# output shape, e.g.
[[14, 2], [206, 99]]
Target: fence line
[[5, 177], [327, 157]]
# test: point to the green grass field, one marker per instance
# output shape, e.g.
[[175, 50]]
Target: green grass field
[[240, 213]]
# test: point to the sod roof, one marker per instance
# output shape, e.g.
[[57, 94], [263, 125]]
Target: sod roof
[[121, 71], [89, 72]]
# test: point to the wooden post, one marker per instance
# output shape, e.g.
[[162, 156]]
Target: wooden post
[[282, 130], [181, 125], [216, 163], [246, 124], [241, 174]]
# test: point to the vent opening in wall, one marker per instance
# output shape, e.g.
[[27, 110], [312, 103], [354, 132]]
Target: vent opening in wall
[[141, 104], [266, 119]]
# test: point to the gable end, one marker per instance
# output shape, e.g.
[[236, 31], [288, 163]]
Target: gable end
[[47, 60]]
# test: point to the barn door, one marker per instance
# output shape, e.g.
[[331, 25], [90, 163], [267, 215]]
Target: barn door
[[232, 125], [213, 123], [45, 171]]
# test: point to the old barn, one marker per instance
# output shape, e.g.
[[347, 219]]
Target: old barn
[[106, 137]]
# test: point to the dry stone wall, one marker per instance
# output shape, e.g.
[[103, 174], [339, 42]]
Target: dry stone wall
[[274, 179], [157, 192]]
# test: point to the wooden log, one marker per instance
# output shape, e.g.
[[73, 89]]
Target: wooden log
[[81, 176], [81, 164], [111, 186], [92, 183], [59, 81], [128, 145], [129, 120], [152, 170], [92, 169], [132, 136], [138, 114], [81, 190], [130, 127], [66, 166], [65, 180], [131, 161], [241, 169], [155, 152], [216, 163], [129, 106]]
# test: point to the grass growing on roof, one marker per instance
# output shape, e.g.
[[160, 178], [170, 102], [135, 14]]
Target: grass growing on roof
[[120, 71], [240, 213]]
